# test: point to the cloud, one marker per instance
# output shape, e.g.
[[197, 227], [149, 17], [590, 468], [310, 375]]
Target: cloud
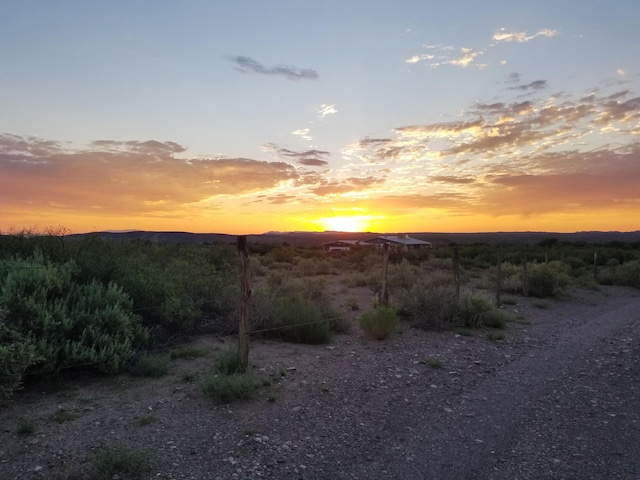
[[535, 85], [249, 65], [503, 35], [123, 177], [309, 158], [326, 109], [352, 184], [448, 55], [452, 179], [302, 133]]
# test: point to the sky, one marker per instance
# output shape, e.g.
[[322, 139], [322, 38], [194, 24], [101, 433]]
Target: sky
[[249, 116]]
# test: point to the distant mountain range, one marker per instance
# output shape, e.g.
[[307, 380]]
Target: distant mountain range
[[317, 238]]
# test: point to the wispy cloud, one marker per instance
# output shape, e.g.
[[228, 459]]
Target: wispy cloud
[[503, 35], [303, 133], [535, 85], [326, 109], [448, 55], [249, 65], [309, 158]]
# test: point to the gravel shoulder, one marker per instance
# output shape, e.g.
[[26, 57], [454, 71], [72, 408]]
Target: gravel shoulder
[[558, 398]]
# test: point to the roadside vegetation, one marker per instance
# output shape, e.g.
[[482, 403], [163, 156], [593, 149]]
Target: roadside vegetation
[[112, 306]]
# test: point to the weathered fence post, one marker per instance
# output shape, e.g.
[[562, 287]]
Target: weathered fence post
[[456, 269], [595, 265], [498, 277], [384, 292], [525, 279], [245, 304]]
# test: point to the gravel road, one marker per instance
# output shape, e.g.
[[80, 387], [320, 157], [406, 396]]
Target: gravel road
[[558, 398]]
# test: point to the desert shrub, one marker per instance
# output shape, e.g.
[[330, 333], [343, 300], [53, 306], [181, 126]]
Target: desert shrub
[[511, 277], [299, 320], [401, 275], [547, 279], [627, 274], [120, 461], [472, 310], [496, 318], [228, 361], [63, 323], [379, 323], [17, 354], [430, 303], [151, 365], [224, 389]]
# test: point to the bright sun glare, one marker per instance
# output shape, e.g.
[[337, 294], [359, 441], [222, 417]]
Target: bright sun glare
[[345, 223]]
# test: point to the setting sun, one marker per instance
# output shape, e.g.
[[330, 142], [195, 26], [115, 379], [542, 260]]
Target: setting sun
[[345, 223]]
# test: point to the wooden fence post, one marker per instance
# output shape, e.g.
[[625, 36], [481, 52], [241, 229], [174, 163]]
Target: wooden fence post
[[595, 265], [498, 278], [525, 279], [245, 305], [384, 292], [456, 269]]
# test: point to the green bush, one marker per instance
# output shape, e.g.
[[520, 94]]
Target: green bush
[[224, 389], [379, 323], [120, 461], [153, 366], [627, 274], [472, 310], [431, 303], [547, 279], [60, 323], [299, 320], [17, 354], [228, 361]]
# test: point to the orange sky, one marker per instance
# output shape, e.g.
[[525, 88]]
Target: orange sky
[[497, 120]]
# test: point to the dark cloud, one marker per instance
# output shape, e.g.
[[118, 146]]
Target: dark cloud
[[513, 77], [249, 65], [310, 158], [535, 85]]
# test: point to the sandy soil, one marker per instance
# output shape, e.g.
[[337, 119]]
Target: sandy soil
[[558, 398]]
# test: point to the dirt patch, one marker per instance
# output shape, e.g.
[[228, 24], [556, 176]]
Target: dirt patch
[[558, 397]]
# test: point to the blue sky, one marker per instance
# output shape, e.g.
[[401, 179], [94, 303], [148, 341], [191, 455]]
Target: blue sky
[[249, 115]]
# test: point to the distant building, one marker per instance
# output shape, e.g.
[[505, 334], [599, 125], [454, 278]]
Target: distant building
[[342, 245], [402, 241]]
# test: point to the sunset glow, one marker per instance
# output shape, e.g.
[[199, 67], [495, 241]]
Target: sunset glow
[[387, 117]]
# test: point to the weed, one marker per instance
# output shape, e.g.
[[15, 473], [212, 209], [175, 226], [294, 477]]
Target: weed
[[186, 352], [62, 416], [26, 425], [496, 319], [228, 361], [509, 300], [540, 304], [433, 362], [324, 389], [271, 395], [224, 389], [147, 420], [124, 462], [379, 323], [189, 377], [464, 332], [495, 336], [153, 366], [352, 303]]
